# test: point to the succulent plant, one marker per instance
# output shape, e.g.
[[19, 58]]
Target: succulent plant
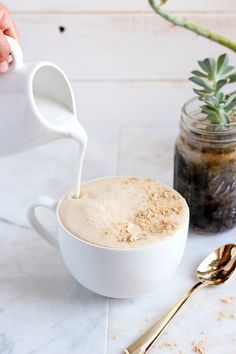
[[219, 107]]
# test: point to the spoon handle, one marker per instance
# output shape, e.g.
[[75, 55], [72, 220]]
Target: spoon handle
[[145, 342]]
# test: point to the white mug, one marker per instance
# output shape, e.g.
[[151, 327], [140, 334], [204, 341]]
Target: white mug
[[112, 272], [23, 126]]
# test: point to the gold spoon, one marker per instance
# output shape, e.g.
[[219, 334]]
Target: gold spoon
[[215, 269]]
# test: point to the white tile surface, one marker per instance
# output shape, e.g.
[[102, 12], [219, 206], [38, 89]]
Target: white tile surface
[[44, 311]]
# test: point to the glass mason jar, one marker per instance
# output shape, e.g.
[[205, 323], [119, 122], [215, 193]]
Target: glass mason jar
[[205, 170]]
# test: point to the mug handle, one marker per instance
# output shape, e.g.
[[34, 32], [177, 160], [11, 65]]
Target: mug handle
[[51, 205], [16, 53]]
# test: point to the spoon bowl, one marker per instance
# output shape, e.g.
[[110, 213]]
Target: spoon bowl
[[218, 266]]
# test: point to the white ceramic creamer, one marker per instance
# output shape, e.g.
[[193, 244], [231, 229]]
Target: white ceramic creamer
[[33, 99], [37, 106]]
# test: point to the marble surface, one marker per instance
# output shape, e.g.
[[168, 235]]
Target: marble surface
[[44, 311]]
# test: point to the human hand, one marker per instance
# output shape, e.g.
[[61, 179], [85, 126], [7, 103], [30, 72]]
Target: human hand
[[8, 27]]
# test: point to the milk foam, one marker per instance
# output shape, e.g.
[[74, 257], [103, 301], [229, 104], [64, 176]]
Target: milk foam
[[124, 212]]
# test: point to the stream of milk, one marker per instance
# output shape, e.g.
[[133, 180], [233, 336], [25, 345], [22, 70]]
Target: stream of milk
[[61, 116]]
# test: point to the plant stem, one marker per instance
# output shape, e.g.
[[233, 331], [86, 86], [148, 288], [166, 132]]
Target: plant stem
[[182, 22]]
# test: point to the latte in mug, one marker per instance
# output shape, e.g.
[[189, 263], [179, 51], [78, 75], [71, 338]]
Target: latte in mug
[[122, 237], [124, 212]]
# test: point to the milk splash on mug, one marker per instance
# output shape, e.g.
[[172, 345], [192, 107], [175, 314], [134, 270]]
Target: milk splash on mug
[[58, 114]]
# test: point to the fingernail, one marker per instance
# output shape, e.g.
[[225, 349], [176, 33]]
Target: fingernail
[[3, 67]]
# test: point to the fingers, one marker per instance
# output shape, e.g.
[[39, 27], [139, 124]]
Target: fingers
[[4, 48], [3, 67], [8, 27]]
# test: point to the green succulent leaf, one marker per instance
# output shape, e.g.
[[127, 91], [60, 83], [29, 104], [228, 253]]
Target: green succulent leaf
[[220, 96], [222, 62], [206, 65], [200, 92], [221, 83], [232, 78], [206, 109], [200, 82], [212, 101], [198, 73], [226, 70], [230, 102], [230, 99]]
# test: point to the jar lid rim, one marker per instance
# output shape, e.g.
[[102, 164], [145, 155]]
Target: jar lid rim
[[206, 130], [195, 99]]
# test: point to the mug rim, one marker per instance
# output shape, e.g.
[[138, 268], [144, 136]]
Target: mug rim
[[140, 248]]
